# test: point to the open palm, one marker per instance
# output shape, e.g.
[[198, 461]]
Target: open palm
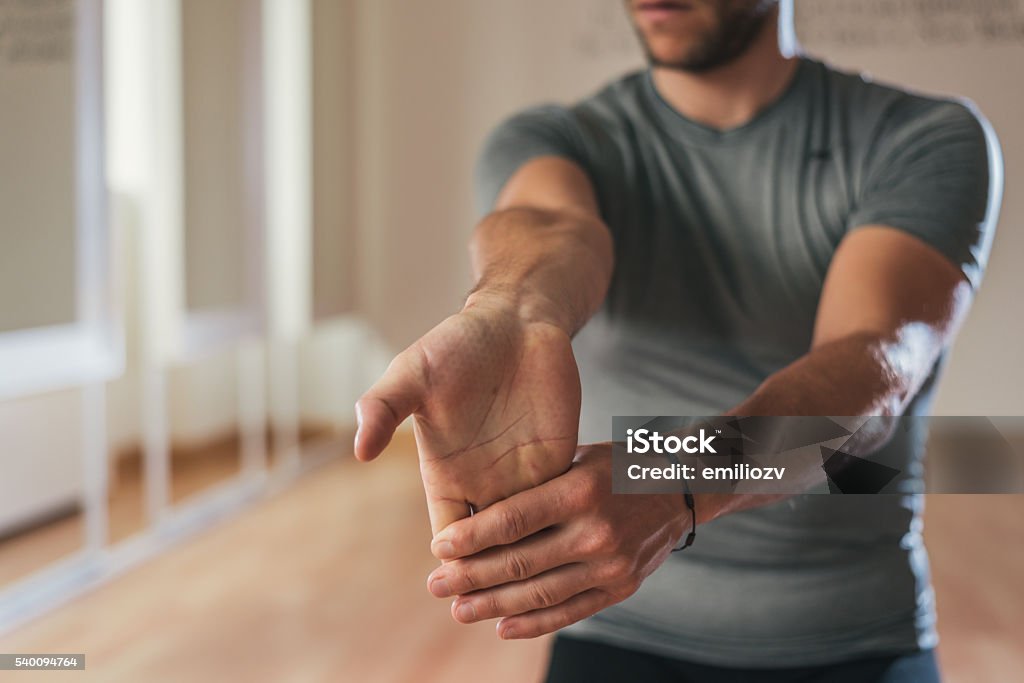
[[496, 402]]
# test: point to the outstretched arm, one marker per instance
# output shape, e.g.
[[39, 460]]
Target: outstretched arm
[[494, 389], [889, 306]]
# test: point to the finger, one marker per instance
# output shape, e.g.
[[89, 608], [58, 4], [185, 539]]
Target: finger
[[394, 397], [547, 590], [514, 518], [550, 619], [445, 511], [517, 562]]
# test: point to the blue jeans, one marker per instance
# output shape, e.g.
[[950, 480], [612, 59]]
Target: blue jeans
[[574, 660]]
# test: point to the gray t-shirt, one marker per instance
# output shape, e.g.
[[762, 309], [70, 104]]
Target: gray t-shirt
[[722, 242]]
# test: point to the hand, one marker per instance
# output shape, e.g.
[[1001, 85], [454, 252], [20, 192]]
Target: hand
[[496, 399], [548, 557]]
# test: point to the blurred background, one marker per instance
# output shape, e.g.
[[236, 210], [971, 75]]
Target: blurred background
[[219, 220]]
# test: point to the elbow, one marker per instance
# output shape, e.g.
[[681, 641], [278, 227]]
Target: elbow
[[904, 360], [880, 371], [900, 364], [894, 379]]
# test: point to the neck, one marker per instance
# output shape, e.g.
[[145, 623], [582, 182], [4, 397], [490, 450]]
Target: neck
[[732, 94]]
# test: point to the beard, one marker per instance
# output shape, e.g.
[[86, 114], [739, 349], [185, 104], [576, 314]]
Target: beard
[[735, 29]]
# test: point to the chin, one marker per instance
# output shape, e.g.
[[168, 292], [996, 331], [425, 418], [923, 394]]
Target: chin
[[668, 52]]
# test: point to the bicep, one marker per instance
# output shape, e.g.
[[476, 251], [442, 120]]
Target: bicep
[[539, 158], [549, 183], [888, 284]]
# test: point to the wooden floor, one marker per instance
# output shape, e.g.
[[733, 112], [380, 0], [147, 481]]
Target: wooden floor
[[976, 545], [325, 582], [191, 473], [193, 470]]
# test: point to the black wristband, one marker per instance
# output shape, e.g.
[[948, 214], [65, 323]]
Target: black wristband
[[688, 497]]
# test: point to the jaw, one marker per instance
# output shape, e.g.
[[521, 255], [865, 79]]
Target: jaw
[[700, 36], [671, 31]]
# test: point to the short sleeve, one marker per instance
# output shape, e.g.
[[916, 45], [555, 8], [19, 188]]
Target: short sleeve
[[936, 174], [547, 130]]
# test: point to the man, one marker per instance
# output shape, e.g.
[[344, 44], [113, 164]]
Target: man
[[736, 230]]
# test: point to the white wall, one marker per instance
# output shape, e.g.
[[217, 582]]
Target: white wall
[[215, 98], [432, 79], [334, 164], [37, 192], [40, 437]]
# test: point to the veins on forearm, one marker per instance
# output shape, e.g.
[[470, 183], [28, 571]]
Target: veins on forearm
[[858, 375], [555, 264]]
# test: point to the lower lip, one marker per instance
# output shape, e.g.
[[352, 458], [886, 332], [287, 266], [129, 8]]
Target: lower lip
[[660, 13]]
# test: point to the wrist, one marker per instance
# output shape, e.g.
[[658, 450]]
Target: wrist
[[527, 307], [711, 506]]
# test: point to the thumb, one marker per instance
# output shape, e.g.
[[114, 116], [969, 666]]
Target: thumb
[[445, 511], [394, 397]]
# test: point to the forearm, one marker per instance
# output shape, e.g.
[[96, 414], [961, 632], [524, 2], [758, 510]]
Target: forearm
[[554, 266], [859, 375]]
